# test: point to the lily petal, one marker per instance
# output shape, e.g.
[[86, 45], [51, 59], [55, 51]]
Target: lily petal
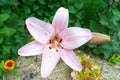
[[49, 60], [40, 30], [60, 20], [69, 57], [74, 37], [30, 49]]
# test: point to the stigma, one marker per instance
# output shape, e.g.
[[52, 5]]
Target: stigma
[[56, 43]]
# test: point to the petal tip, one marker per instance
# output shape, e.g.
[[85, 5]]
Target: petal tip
[[62, 9], [44, 76], [20, 52], [79, 68], [29, 19]]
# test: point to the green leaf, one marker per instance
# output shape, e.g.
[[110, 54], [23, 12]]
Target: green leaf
[[1, 40], [27, 10], [93, 26], [116, 12], [78, 23], [103, 21], [107, 54], [13, 2], [96, 50], [6, 48], [72, 9], [102, 4], [2, 64], [118, 34], [3, 17], [7, 31], [79, 5], [35, 7], [41, 1]]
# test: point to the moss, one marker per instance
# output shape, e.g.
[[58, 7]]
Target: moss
[[90, 70]]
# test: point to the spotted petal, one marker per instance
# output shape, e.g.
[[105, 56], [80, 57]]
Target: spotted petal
[[74, 37], [49, 60], [30, 49], [40, 30]]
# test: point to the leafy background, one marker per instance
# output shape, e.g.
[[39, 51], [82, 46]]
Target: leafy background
[[98, 15]]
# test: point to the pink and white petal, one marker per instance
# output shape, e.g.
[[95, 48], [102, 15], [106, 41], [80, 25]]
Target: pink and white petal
[[69, 57], [74, 37], [49, 60], [40, 30], [31, 49], [60, 20]]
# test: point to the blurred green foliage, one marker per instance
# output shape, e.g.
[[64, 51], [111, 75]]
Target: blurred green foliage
[[98, 15]]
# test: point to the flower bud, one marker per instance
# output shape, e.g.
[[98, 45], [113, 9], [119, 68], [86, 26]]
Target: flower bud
[[98, 38]]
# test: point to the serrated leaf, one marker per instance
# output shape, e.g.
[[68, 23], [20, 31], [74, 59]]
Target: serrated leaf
[[3, 17]]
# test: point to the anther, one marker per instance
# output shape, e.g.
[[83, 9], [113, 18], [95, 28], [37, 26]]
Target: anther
[[50, 41], [56, 50], [49, 47], [62, 47], [55, 37], [60, 40]]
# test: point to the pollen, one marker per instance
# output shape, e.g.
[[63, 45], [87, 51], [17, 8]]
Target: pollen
[[56, 43], [9, 64]]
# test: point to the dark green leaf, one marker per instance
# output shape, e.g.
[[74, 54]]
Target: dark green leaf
[[79, 5], [4, 17], [7, 31], [6, 49], [1, 40], [72, 10]]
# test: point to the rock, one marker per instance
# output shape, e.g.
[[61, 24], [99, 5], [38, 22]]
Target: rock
[[109, 72], [1, 78], [29, 69]]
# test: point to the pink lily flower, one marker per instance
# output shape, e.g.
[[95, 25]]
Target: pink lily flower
[[55, 41]]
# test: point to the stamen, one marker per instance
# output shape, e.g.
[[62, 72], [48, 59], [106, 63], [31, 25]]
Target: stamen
[[62, 47], [49, 47], [60, 40], [56, 50], [50, 41], [55, 37]]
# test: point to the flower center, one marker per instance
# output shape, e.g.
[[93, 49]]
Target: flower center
[[55, 41], [10, 64]]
